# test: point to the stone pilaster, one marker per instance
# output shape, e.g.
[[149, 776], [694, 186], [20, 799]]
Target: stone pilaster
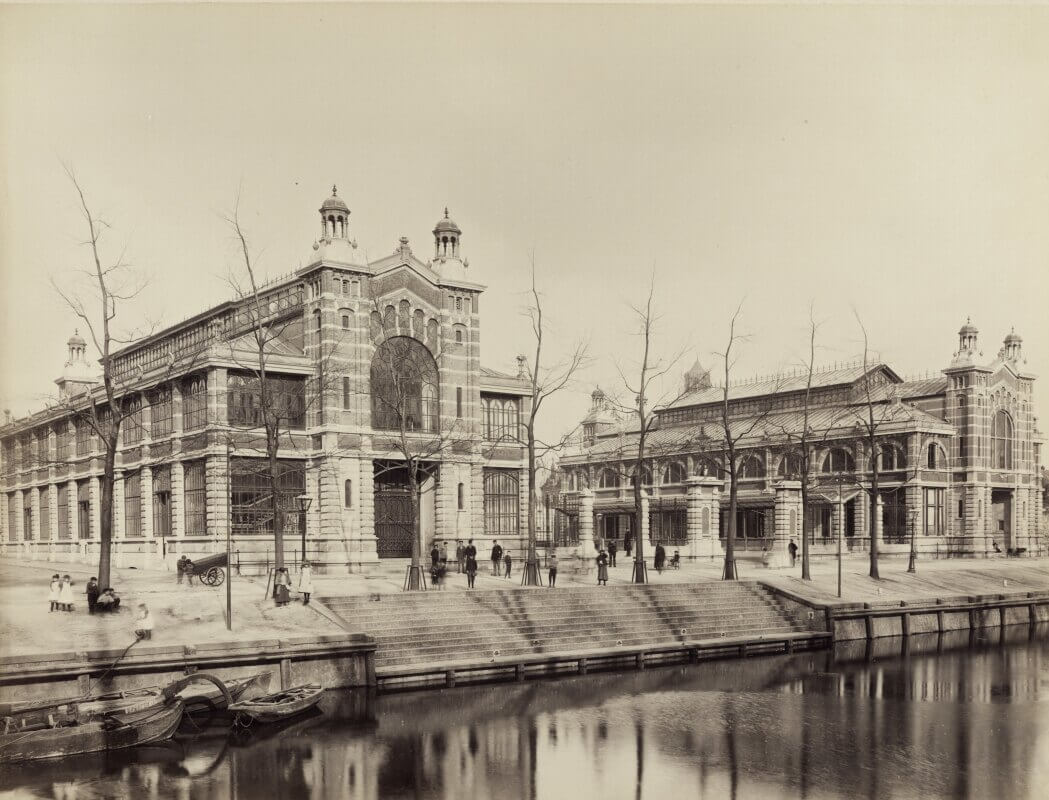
[[176, 409], [216, 493], [52, 512], [787, 523], [586, 524], [476, 487], [703, 515], [145, 477], [217, 396], [74, 517], [523, 489], [94, 494], [5, 519], [879, 518], [34, 514], [178, 499], [119, 528], [364, 502], [19, 517]]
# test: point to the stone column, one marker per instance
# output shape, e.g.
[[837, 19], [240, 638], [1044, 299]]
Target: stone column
[[52, 501], [704, 516], [34, 514], [4, 518], [648, 549], [586, 524], [217, 396], [145, 491], [787, 523], [216, 493], [178, 505], [176, 408], [364, 502], [19, 517], [94, 496]]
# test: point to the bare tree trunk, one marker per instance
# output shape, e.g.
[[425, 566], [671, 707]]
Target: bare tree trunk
[[729, 573], [106, 518]]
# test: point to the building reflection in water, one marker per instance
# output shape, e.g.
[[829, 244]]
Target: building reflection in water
[[943, 717]]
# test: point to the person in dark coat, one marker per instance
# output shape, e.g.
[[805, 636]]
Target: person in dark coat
[[792, 548], [508, 561], [108, 600], [471, 570], [552, 565], [612, 553], [92, 591], [497, 556], [660, 559], [180, 565], [435, 556], [281, 584], [602, 568], [628, 544], [460, 556]]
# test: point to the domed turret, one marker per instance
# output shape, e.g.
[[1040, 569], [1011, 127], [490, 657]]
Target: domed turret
[[967, 337], [76, 374], [335, 217], [1013, 343], [446, 236]]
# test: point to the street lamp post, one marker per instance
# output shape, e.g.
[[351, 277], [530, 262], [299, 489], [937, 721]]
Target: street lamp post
[[304, 506], [911, 565]]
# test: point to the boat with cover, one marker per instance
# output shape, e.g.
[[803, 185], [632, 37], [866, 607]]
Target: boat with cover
[[277, 706]]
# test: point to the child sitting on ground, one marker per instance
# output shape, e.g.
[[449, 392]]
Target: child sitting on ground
[[108, 600], [143, 623]]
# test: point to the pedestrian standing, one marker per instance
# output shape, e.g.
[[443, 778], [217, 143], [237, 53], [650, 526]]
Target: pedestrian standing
[[180, 565], [628, 544], [508, 561], [92, 591], [612, 553], [602, 569], [187, 570], [55, 591], [661, 558], [471, 570], [435, 556], [306, 582], [281, 582], [470, 551], [552, 574], [497, 556], [444, 555], [792, 548], [65, 594], [460, 556]]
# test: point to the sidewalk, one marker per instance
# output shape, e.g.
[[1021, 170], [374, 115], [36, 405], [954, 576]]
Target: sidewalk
[[186, 614]]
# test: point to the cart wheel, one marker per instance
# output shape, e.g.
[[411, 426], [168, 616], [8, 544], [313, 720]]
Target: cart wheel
[[215, 576]]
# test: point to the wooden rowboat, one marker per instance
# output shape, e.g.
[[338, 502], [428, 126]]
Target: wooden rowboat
[[278, 706], [70, 735]]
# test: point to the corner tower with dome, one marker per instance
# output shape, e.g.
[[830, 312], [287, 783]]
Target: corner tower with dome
[[192, 466]]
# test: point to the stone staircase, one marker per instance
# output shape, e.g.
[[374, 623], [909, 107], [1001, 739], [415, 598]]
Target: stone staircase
[[444, 627]]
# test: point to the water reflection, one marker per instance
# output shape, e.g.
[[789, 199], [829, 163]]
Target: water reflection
[[934, 717]]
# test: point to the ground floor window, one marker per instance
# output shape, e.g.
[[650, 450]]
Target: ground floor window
[[162, 501], [133, 505], [45, 513], [63, 511], [194, 493], [83, 505], [12, 518], [500, 502], [565, 521], [819, 522], [934, 512], [894, 516], [250, 503], [750, 526], [668, 527]]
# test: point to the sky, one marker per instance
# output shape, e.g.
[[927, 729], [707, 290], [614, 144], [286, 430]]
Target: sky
[[887, 164]]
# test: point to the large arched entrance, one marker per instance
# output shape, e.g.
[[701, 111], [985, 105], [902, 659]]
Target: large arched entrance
[[394, 529]]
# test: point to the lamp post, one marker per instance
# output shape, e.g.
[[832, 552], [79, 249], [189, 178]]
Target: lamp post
[[911, 517], [304, 506]]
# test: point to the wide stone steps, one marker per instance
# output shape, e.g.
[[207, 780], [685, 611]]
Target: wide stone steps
[[432, 628]]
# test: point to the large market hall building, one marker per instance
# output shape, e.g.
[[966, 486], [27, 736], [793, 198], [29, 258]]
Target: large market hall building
[[339, 333], [958, 462]]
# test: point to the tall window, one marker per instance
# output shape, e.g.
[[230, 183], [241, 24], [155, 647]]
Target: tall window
[[934, 512], [460, 495], [285, 395], [194, 402], [1002, 441], [194, 493], [500, 502], [839, 460], [250, 500], [500, 417], [45, 514], [937, 459], [892, 458], [133, 505], [347, 493], [61, 441], [12, 518], [84, 437], [346, 393], [404, 386], [131, 427], [668, 527], [894, 515], [63, 511], [459, 402], [608, 479], [160, 413], [790, 466], [752, 467], [674, 473]]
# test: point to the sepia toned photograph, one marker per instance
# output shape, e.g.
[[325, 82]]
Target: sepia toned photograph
[[524, 401]]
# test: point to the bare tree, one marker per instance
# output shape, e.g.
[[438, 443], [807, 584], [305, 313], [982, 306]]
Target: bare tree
[[650, 371], [732, 436], [544, 382], [869, 425]]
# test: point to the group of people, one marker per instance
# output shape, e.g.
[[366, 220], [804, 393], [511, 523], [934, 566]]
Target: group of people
[[282, 584], [60, 595], [184, 566]]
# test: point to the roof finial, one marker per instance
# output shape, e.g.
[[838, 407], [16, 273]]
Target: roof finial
[[446, 212], [334, 191]]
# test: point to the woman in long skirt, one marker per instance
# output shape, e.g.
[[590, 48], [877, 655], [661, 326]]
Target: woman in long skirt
[[602, 569]]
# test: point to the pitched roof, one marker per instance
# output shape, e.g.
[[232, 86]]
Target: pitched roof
[[923, 387], [778, 384]]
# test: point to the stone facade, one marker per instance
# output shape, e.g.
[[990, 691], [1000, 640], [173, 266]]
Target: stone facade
[[193, 448], [958, 461]]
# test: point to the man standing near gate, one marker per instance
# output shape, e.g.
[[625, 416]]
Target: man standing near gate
[[612, 552], [460, 556], [497, 556]]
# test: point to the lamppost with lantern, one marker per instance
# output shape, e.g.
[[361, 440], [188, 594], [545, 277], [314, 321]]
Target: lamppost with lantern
[[912, 517], [304, 506]]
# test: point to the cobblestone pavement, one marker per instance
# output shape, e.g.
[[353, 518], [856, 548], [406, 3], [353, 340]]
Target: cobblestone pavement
[[192, 614]]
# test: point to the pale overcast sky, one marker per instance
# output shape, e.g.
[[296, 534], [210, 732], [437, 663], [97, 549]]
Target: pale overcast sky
[[895, 160]]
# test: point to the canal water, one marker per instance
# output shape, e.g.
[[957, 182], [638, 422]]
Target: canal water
[[942, 717]]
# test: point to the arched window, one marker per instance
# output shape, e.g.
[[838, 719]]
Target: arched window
[[646, 476], [458, 336], [1002, 441], [346, 316], [317, 320], [347, 493], [936, 458], [839, 460], [892, 458], [608, 479], [707, 467], [674, 473], [501, 502], [132, 424], [789, 466], [404, 386], [752, 467]]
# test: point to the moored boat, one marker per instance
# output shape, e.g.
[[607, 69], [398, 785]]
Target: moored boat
[[280, 705], [28, 736]]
